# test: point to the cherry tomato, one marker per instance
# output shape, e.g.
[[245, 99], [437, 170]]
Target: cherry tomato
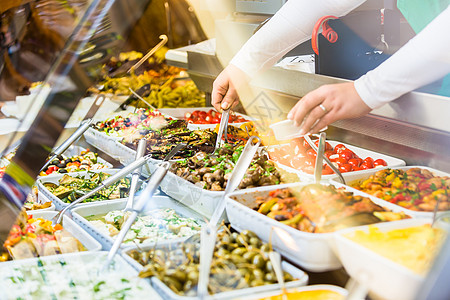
[[195, 113], [364, 166], [208, 119], [339, 148], [327, 145], [311, 154], [215, 120], [345, 155], [345, 168], [187, 115], [202, 114], [341, 161], [369, 162], [355, 162], [328, 153], [327, 170], [380, 162], [333, 157], [355, 168]]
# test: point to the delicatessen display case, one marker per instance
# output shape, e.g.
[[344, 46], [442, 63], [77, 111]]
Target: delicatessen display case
[[121, 181]]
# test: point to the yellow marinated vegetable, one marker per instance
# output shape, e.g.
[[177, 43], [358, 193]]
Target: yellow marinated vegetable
[[308, 295], [413, 247]]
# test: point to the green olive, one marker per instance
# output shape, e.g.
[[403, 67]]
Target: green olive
[[248, 256], [258, 274], [189, 285], [175, 285], [269, 266], [265, 248], [254, 241], [192, 276], [236, 259], [233, 237], [177, 275], [243, 271], [249, 234], [222, 252], [258, 261], [270, 277], [239, 251], [257, 282], [226, 239], [242, 240]]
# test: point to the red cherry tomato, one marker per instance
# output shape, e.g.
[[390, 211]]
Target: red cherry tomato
[[345, 168], [355, 162], [327, 145], [327, 170], [208, 119], [380, 162], [202, 114], [345, 155], [341, 161], [364, 166], [215, 120], [328, 153], [311, 154], [339, 148], [195, 113], [187, 115], [369, 162], [354, 168]]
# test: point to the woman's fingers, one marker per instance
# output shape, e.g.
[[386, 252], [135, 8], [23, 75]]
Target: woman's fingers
[[224, 94], [328, 104]]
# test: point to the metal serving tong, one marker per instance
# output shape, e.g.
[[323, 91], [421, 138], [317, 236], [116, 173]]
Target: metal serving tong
[[137, 208], [140, 151], [87, 121], [163, 41], [315, 148], [107, 182], [223, 127], [209, 232]]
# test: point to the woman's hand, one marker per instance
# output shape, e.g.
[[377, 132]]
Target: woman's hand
[[224, 94], [326, 105]]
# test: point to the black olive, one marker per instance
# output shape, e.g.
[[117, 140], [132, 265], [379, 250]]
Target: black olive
[[77, 160], [62, 171], [68, 160], [127, 120], [143, 117], [60, 157], [116, 128], [55, 162], [61, 165]]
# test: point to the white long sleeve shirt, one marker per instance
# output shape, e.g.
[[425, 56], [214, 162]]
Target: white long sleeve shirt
[[424, 59]]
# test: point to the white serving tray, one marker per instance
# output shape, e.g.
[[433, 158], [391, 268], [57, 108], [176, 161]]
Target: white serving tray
[[179, 113], [363, 175], [102, 141], [54, 178], [85, 239], [383, 277], [118, 265], [76, 150], [167, 293], [79, 215], [362, 153], [311, 251], [316, 287]]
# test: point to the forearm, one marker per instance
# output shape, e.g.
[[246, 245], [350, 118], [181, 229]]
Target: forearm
[[290, 26], [424, 59]]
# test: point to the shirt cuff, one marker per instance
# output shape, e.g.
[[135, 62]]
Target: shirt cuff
[[363, 90]]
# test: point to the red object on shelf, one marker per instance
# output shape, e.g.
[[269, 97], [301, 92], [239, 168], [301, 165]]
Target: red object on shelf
[[327, 32]]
